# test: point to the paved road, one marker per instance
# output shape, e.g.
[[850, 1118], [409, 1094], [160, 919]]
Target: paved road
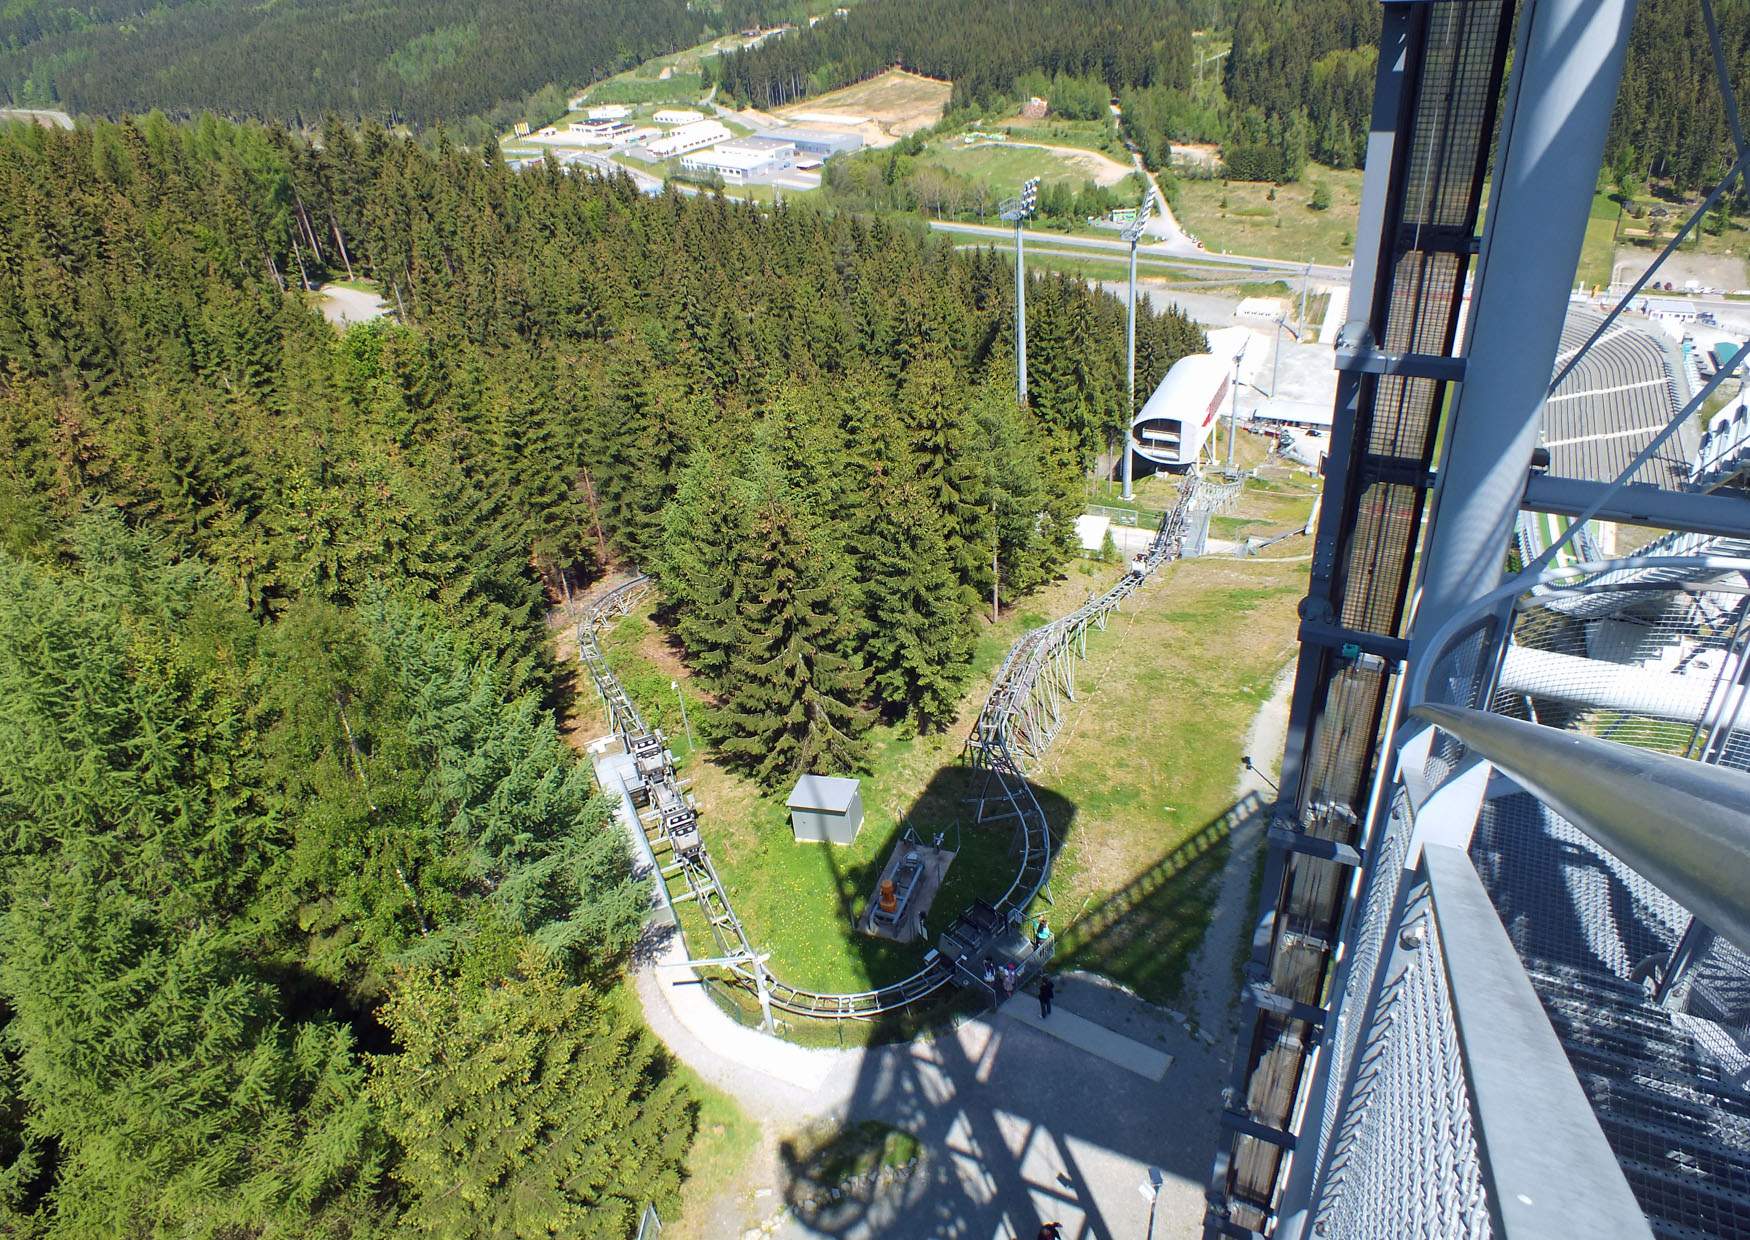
[[1160, 250]]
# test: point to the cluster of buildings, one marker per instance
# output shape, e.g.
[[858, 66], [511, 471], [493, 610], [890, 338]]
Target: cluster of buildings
[[705, 148], [768, 156]]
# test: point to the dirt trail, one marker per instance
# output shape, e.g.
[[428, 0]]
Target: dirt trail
[[1213, 1003]]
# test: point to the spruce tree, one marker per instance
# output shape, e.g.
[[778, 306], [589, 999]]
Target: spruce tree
[[525, 1106], [705, 540], [918, 643], [795, 705]]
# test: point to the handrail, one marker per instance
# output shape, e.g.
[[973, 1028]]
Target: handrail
[[1685, 825], [1549, 1169], [1575, 578]]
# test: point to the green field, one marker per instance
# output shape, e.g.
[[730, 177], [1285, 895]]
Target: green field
[[1239, 217], [1598, 250], [1100, 135]]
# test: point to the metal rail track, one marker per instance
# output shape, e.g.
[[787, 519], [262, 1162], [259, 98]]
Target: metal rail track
[[1017, 723]]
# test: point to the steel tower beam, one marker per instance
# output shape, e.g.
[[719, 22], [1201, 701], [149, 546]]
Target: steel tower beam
[[1569, 64]]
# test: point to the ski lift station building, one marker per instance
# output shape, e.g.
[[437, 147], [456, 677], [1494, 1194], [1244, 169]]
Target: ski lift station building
[[826, 810], [1174, 423]]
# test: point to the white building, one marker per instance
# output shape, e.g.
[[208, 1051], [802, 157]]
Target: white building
[[609, 112], [1669, 309], [734, 167], [677, 116], [1174, 423], [688, 138]]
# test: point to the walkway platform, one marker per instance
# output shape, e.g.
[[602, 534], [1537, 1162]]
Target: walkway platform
[[1085, 1035]]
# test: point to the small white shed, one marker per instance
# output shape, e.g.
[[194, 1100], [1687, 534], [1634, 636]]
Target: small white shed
[[825, 809]]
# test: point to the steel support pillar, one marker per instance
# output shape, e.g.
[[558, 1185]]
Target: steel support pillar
[[1567, 67]]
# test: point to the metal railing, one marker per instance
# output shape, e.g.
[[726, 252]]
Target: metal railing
[[1552, 849]]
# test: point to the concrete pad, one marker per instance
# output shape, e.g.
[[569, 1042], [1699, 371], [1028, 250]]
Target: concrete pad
[[1085, 1035]]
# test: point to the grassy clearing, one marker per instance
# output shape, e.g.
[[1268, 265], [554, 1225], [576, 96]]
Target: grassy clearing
[[1598, 250], [1150, 756], [1003, 168], [1100, 135], [1136, 784], [1239, 217], [799, 901]]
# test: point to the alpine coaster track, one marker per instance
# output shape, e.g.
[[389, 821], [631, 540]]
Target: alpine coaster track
[[1014, 728]]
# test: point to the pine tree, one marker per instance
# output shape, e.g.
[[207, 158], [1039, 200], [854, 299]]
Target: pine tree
[[525, 1106]]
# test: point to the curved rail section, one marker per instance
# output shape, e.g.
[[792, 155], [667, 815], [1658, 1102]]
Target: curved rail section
[[1017, 723]]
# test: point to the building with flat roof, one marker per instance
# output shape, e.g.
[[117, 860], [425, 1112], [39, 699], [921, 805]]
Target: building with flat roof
[[609, 112], [677, 116], [821, 142], [735, 165], [774, 145], [688, 138]]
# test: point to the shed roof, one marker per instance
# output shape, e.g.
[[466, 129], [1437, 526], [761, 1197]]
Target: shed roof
[[826, 792]]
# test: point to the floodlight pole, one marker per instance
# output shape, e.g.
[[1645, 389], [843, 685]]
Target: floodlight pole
[[1016, 210], [1129, 372], [1020, 316], [1233, 414], [1132, 234]]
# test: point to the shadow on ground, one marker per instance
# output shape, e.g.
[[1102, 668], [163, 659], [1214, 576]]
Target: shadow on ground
[[1016, 1128]]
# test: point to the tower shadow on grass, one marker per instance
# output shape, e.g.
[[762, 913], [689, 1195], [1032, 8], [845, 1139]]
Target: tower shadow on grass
[[1013, 1128], [985, 864]]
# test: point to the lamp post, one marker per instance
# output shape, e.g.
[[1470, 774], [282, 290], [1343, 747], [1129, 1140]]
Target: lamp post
[[1276, 362], [1132, 234], [1017, 211], [1233, 410], [687, 723]]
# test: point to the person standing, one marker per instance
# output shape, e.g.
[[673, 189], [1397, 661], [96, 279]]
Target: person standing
[[1008, 980], [1051, 1231], [1046, 992]]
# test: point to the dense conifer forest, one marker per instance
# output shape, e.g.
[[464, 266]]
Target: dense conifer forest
[[982, 46], [396, 62], [1296, 86], [301, 888]]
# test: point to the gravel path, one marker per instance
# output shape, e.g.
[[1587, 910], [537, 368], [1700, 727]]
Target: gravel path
[[1210, 975]]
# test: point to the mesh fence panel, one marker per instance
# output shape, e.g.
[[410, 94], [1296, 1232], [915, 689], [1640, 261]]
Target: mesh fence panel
[[1404, 1159], [1379, 898], [1661, 669]]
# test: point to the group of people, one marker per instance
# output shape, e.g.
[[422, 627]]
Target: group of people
[[1010, 975]]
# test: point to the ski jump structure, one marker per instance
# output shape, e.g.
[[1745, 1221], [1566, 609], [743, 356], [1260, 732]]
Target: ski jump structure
[[1014, 728]]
